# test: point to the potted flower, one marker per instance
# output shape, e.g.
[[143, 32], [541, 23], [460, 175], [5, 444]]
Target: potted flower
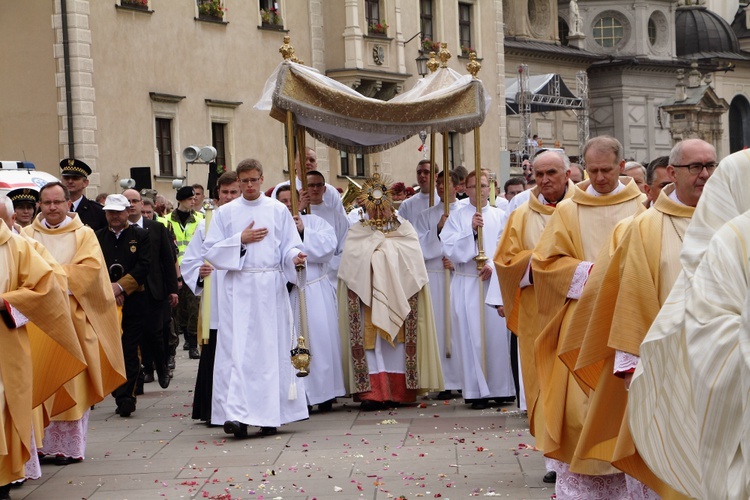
[[429, 45], [379, 28], [135, 4], [271, 17], [465, 51], [211, 9]]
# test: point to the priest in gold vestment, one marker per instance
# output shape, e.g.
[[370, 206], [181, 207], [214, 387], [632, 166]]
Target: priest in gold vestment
[[561, 263], [638, 277], [29, 292], [513, 264], [687, 399], [388, 337], [94, 314]]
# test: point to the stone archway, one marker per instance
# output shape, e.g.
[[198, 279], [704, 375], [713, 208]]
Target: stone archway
[[739, 124]]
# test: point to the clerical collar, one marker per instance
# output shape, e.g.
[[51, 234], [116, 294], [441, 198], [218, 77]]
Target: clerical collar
[[544, 200], [593, 192], [62, 224], [674, 198]]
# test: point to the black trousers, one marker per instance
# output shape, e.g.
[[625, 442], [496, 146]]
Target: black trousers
[[134, 325], [153, 343], [187, 316]]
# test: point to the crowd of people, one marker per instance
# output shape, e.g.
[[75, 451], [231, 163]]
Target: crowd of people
[[600, 300]]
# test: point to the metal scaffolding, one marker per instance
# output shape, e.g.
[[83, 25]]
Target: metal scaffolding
[[524, 110], [582, 89]]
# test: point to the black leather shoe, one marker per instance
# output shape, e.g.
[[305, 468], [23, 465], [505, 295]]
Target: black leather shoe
[[164, 380], [234, 427], [63, 460], [125, 407], [479, 404], [185, 346], [368, 405], [5, 492], [268, 431], [550, 477], [444, 395], [171, 364], [194, 354], [148, 378], [326, 407]]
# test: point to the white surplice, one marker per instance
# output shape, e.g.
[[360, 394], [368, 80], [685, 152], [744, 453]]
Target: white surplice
[[460, 247], [410, 208], [432, 249], [336, 217], [326, 378], [255, 314]]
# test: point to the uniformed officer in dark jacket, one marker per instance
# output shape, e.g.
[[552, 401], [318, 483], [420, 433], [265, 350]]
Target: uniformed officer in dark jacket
[[75, 175], [127, 252]]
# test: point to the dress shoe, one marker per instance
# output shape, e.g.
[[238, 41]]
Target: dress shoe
[[479, 404], [148, 378], [550, 477], [234, 427], [444, 395], [5, 492], [139, 388], [368, 405], [186, 346], [194, 354], [164, 380], [162, 373], [505, 400], [63, 460], [326, 407], [268, 431], [171, 364], [125, 407]]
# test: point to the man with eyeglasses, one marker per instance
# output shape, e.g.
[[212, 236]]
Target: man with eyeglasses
[[316, 190], [485, 349], [162, 291], [561, 266], [636, 281], [92, 305], [255, 240], [331, 196]]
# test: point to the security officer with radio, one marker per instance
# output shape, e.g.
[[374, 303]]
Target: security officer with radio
[[127, 253]]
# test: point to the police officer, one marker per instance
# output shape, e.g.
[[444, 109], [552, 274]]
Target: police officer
[[127, 253], [75, 175], [25, 201], [182, 224]]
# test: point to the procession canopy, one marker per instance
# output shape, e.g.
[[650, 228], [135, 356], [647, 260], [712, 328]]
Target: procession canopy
[[444, 101]]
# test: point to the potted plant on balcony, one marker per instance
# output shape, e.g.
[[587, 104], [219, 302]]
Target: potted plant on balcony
[[428, 45], [135, 4], [379, 28], [211, 9], [465, 51], [271, 17]]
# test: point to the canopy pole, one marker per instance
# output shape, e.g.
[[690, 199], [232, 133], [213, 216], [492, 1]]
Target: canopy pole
[[302, 155], [446, 272], [473, 67], [433, 169], [290, 160]]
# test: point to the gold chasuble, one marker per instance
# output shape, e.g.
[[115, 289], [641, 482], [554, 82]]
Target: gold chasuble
[[29, 285], [576, 232], [637, 280], [94, 313], [383, 273], [512, 260]]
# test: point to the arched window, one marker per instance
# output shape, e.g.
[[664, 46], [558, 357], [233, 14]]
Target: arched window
[[739, 124]]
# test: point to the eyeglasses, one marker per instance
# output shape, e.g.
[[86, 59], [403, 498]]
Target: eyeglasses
[[697, 168], [527, 167], [250, 180], [135, 200], [49, 203], [316, 184]]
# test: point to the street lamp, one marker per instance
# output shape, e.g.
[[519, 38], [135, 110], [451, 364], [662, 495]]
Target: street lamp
[[422, 64]]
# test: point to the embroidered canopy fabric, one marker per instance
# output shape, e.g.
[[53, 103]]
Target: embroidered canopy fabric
[[342, 118]]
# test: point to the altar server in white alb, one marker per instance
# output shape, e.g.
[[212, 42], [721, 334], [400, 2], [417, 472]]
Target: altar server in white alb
[[410, 208], [486, 352], [255, 240], [326, 380], [429, 225]]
